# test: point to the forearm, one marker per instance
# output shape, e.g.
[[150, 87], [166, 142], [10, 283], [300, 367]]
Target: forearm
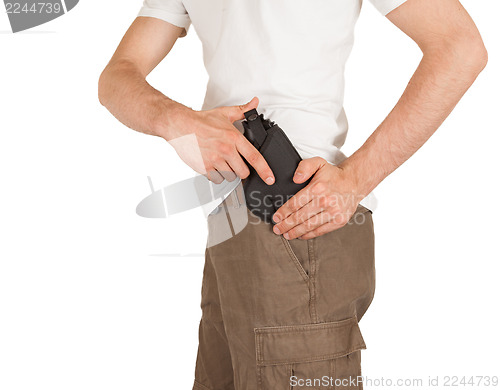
[[124, 91], [441, 79]]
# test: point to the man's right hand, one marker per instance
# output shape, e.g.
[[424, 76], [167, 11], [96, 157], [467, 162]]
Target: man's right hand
[[217, 147], [206, 140]]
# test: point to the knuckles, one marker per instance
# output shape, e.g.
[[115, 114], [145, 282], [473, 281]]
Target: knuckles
[[214, 157], [224, 149], [323, 201], [253, 158], [340, 219], [233, 136], [318, 187]]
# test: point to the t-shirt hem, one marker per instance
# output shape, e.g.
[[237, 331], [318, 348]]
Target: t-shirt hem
[[175, 19], [370, 202], [389, 6]]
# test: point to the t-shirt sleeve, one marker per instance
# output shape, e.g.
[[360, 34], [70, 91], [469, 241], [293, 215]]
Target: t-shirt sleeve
[[386, 6], [172, 11]]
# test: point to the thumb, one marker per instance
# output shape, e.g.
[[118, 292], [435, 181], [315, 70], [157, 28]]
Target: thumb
[[307, 168], [235, 113]]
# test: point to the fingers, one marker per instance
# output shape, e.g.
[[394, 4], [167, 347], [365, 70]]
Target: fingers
[[238, 166], [299, 200], [225, 171], [214, 176], [308, 211], [229, 164], [307, 168], [299, 217], [317, 225], [227, 155], [235, 113], [255, 159], [319, 231], [244, 147]]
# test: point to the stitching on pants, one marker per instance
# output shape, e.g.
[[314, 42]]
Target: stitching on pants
[[304, 329], [257, 345], [259, 377], [198, 385], [312, 279], [318, 358], [288, 329], [295, 259]]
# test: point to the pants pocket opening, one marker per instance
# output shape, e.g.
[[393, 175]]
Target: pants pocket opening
[[295, 259]]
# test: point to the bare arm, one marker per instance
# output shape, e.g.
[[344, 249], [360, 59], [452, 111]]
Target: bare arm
[[216, 149], [453, 56], [123, 88]]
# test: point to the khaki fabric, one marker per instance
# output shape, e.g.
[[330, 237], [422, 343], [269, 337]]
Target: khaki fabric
[[275, 312]]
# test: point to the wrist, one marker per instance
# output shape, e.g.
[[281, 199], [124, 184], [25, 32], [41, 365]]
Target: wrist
[[171, 121], [360, 178]]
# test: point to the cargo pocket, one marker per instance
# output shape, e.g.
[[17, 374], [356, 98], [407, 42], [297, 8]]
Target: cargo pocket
[[315, 356]]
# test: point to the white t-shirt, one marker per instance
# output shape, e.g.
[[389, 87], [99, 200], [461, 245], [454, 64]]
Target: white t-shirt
[[291, 54]]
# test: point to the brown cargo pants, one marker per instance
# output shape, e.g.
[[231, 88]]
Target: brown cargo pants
[[281, 315]]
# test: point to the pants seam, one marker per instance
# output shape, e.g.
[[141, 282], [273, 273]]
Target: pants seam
[[311, 250], [259, 377]]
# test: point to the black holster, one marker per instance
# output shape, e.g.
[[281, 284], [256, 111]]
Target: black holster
[[271, 141]]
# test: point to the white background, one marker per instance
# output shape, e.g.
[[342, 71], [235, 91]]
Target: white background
[[85, 304]]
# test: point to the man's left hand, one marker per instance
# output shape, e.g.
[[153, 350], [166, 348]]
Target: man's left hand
[[327, 203]]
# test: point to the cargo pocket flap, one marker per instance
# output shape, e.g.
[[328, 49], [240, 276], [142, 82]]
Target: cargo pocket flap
[[307, 343]]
